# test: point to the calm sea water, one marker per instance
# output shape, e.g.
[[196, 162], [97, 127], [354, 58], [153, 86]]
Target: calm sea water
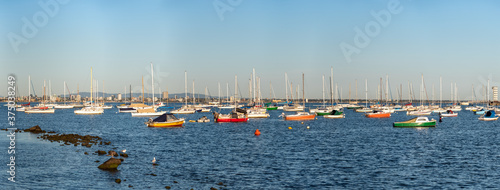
[[351, 153]]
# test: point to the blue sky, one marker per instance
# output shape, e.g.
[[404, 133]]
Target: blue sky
[[458, 40]]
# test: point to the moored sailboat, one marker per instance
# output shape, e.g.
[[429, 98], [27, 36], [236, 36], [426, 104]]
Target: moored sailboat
[[90, 110]]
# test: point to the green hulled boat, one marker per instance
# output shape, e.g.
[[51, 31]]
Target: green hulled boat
[[272, 108], [323, 111], [335, 114], [416, 122]]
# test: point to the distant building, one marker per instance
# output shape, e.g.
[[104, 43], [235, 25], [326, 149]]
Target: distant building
[[78, 98], [119, 96], [164, 95], [495, 93]]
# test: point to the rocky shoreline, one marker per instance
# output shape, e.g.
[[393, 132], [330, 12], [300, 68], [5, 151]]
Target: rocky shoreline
[[88, 141]]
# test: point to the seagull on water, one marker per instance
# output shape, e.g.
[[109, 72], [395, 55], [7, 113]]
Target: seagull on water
[[154, 160], [124, 150]]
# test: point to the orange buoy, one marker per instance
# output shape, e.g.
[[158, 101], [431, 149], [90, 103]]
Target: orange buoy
[[257, 132]]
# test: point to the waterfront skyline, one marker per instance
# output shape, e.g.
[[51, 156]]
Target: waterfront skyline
[[452, 39]]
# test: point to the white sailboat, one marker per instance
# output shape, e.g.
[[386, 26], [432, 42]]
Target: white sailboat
[[92, 109], [63, 106], [40, 108], [184, 109], [150, 112]]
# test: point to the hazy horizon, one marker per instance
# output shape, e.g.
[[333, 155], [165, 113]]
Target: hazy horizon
[[215, 40]]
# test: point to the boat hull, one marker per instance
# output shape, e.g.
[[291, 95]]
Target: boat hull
[[39, 111], [423, 124], [488, 118], [378, 115], [63, 107], [334, 116], [154, 114], [449, 115], [79, 112], [226, 120], [299, 117], [178, 123], [272, 108]]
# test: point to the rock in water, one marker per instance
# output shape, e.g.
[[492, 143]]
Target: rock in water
[[118, 180], [111, 164], [123, 155], [35, 129], [112, 153], [100, 152]]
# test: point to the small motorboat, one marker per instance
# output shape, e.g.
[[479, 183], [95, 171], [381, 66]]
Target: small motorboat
[[416, 122], [165, 120], [203, 119], [235, 116], [448, 113], [490, 115], [479, 111]]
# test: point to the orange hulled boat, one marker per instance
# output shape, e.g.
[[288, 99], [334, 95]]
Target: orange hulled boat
[[300, 116], [378, 114]]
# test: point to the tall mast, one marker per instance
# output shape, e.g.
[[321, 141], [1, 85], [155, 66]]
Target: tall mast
[[323, 91], [130, 89], [356, 91], [286, 88], [472, 93], [303, 91], [440, 91], [350, 100], [336, 92], [194, 100], [50, 92], [185, 87], [29, 89], [91, 91], [253, 79], [366, 93], [386, 89], [143, 89], [103, 96], [456, 94], [64, 92], [380, 90], [451, 92], [250, 89], [422, 91], [236, 90], [488, 94], [331, 92], [227, 91], [218, 84], [433, 93], [153, 85], [331, 84]]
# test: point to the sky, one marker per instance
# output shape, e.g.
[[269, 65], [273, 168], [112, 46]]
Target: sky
[[216, 40]]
